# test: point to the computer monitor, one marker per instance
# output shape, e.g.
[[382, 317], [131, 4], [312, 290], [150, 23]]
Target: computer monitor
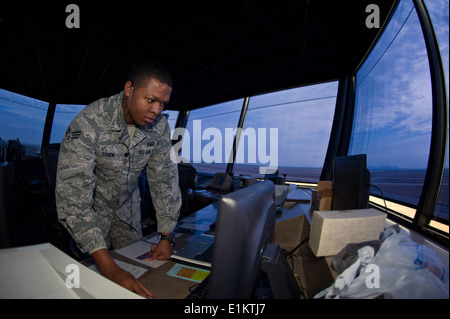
[[351, 182], [244, 229]]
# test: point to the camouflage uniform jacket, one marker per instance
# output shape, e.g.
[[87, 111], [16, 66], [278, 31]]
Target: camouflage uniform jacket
[[98, 171]]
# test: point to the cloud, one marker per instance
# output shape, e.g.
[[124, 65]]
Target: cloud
[[396, 94]]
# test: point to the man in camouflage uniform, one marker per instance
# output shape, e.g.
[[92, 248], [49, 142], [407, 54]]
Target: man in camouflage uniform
[[103, 152]]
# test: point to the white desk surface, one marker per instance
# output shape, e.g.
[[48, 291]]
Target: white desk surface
[[39, 271]]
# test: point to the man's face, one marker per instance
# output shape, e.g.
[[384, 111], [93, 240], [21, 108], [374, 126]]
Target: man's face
[[145, 103]]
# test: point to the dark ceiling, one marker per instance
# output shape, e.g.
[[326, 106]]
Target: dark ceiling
[[215, 50]]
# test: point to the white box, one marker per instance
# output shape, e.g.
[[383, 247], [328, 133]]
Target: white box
[[332, 230]]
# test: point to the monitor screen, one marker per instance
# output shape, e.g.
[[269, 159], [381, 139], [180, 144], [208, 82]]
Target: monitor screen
[[351, 182], [245, 225]]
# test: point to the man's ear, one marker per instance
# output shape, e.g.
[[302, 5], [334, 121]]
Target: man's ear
[[128, 88]]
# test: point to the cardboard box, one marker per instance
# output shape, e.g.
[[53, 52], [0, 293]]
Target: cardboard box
[[332, 230], [321, 199], [290, 232]]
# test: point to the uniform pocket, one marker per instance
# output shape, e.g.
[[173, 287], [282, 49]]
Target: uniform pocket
[[109, 158], [142, 153]]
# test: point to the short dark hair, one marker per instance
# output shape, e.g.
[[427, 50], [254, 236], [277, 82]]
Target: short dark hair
[[142, 72]]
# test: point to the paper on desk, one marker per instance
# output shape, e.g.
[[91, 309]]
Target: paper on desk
[[151, 240], [138, 252], [135, 271]]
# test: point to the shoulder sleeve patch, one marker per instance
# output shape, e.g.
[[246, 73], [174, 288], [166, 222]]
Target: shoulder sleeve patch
[[70, 134]]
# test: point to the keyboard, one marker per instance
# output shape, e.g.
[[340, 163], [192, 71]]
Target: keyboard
[[200, 291]]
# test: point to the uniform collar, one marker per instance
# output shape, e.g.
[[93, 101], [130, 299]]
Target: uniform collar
[[113, 109]]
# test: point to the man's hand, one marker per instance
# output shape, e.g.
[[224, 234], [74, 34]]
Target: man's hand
[[126, 280], [110, 270], [162, 251]]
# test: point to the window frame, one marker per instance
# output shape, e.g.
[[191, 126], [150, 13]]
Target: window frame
[[343, 124]]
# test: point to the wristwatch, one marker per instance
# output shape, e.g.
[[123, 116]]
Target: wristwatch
[[170, 238]]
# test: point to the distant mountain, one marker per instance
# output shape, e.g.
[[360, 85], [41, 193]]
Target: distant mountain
[[385, 167], [393, 168]]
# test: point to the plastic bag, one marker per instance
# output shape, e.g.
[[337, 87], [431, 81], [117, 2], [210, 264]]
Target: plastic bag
[[401, 269], [349, 255]]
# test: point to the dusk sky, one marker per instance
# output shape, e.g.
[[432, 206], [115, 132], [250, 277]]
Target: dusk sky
[[394, 91]]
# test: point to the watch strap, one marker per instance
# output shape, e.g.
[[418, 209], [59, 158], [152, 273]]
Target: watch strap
[[166, 237]]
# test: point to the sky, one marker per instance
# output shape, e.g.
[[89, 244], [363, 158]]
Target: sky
[[298, 119], [395, 133], [394, 86]]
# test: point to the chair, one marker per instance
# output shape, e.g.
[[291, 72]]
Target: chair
[[50, 155], [30, 188], [187, 177], [187, 182]]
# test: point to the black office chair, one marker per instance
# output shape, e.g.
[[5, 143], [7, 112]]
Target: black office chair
[[50, 154], [30, 188], [187, 177]]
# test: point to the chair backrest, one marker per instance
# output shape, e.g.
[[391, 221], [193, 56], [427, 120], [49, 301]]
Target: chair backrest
[[50, 154], [186, 175]]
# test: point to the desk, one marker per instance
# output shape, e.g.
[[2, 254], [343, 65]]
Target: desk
[[164, 286], [161, 285], [41, 271], [292, 226]]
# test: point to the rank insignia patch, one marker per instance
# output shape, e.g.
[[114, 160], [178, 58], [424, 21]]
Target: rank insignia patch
[[70, 135]]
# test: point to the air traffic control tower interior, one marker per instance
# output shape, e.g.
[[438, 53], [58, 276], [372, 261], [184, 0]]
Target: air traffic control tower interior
[[328, 102]]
